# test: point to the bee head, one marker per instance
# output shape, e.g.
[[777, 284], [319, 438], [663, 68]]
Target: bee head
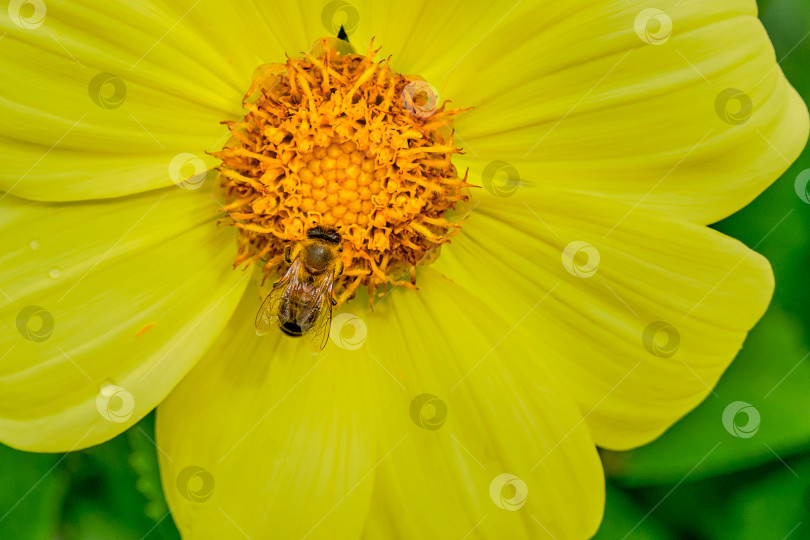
[[332, 236]]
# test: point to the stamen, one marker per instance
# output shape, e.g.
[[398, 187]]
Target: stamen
[[327, 140]]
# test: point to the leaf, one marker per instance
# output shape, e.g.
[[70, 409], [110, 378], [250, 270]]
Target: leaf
[[777, 506], [772, 501], [143, 459], [623, 517], [30, 499], [103, 501]]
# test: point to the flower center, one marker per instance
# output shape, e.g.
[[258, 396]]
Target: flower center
[[340, 141]]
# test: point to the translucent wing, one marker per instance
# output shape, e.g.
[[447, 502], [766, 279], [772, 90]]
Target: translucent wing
[[319, 334], [267, 317]]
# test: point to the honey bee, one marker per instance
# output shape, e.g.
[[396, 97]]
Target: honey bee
[[301, 301]]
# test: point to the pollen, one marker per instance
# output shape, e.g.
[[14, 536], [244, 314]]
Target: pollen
[[338, 139]]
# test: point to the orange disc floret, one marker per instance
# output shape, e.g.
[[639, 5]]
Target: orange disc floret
[[345, 142]]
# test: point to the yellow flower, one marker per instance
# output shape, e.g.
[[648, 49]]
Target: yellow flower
[[583, 303]]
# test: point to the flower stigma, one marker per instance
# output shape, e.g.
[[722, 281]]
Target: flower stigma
[[338, 140]]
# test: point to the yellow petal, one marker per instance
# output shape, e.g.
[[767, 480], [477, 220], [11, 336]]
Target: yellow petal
[[639, 313], [100, 98], [108, 306], [676, 106], [99, 101], [430, 38], [334, 445], [490, 446], [265, 440]]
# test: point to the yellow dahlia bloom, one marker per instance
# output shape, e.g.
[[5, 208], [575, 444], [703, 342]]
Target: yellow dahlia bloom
[[583, 302]]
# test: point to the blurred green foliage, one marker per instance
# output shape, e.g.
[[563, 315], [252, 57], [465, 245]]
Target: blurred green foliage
[[697, 481], [107, 492]]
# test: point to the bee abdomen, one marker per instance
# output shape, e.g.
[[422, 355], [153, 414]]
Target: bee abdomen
[[291, 328]]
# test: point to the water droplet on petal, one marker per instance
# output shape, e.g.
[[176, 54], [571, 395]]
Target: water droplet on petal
[[107, 387], [34, 245], [55, 273]]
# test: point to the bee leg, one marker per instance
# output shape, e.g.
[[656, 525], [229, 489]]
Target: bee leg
[[338, 272], [287, 250]]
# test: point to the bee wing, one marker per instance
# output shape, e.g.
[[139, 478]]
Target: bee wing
[[267, 317], [320, 329]]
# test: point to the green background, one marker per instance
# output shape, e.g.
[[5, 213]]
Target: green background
[[697, 481]]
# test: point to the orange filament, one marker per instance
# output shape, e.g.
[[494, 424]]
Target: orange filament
[[341, 141]]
